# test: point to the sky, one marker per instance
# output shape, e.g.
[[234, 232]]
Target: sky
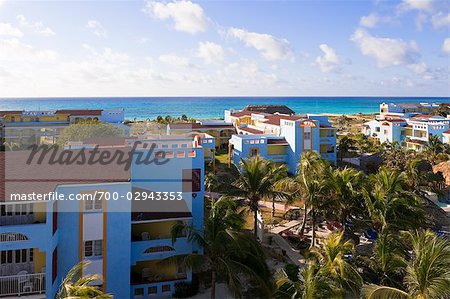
[[215, 48]]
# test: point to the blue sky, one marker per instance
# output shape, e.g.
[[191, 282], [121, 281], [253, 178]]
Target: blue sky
[[154, 48]]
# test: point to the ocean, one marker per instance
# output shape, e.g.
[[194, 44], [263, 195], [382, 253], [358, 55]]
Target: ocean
[[143, 108]]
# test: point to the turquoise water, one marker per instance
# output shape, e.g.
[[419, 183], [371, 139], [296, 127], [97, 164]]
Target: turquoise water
[[208, 107]]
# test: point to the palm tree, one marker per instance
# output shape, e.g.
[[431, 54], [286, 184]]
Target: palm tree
[[316, 191], [76, 286], [345, 190], [278, 173], [312, 283], [387, 264], [255, 184], [211, 183], [12, 146], [331, 257], [227, 251], [428, 271], [310, 172], [433, 148], [390, 204]]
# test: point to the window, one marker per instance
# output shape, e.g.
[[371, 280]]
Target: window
[[254, 152], [17, 256], [152, 290], [160, 155], [93, 248], [191, 180], [139, 292], [98, 247], [165, 288], [307, 135], [18, 260], [93, 204], [88, 248]]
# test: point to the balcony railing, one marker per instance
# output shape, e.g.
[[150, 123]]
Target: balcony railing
[[17, 285], [18, 214]]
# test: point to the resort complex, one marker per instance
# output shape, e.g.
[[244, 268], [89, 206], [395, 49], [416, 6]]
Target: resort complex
[[410, 125], [253, 194]]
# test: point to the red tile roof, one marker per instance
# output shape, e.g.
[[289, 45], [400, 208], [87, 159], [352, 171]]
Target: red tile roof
[[423, 116], [16, 176], [391, 115], [276, 118], [3, 113], [417, 141], [240, 114], [192, 126], [76, 112]]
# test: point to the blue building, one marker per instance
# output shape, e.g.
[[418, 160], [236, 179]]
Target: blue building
[[410, 125], [281, 138], [103, 217]]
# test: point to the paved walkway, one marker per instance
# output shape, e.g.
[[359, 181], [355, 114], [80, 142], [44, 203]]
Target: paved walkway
[[278, 206], [282, 227], [293, 254]]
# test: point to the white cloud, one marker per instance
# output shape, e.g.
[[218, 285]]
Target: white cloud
[[386, 51], [7, 29], [96, 28], [418, 68], [210, 52], [370, 20], [421, 5], [36, 27], [440, 20], [13, 50], [271, 48], [175, 60], [329, 61], [2, 2], [446, 45], [187, 16], [107, 55]]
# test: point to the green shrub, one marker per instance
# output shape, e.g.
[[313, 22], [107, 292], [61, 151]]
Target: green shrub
[[291, 271]]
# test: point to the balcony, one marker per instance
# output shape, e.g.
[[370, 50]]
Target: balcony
[[22, 284], [22, 213], [158, 271], [151, 241], [158, 249]]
